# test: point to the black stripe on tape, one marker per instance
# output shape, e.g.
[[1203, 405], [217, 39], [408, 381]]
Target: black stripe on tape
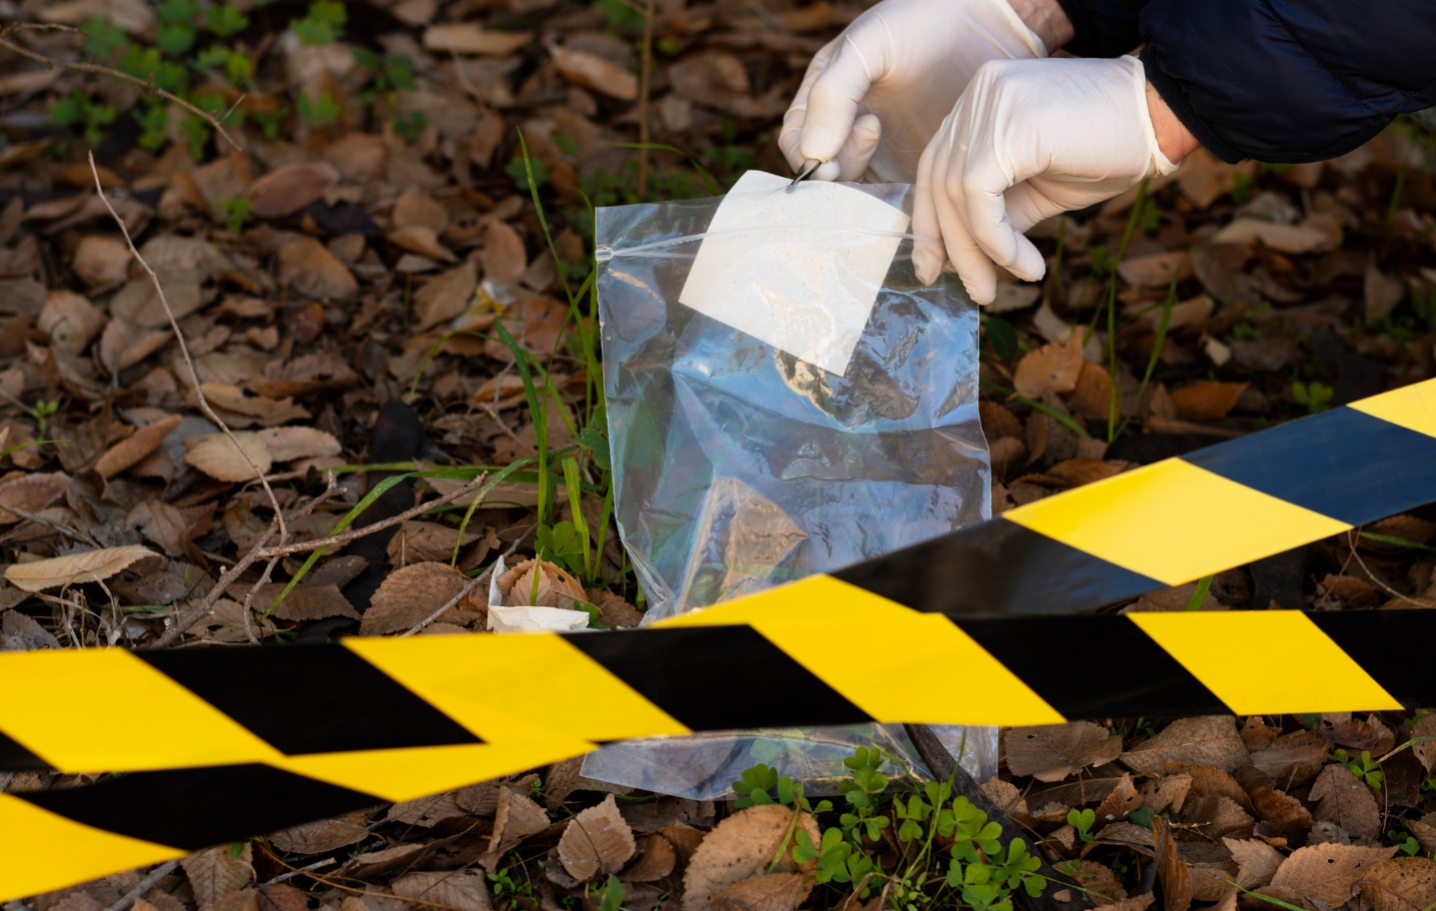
[[310, 699], [1393, 646], [1094, 667], [997, 567], [195, 808], [1340, 464], [15, 758], [718, 678]]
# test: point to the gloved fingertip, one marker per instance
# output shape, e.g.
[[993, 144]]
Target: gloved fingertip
[[1030, 266], [927, 265], [828, 170]]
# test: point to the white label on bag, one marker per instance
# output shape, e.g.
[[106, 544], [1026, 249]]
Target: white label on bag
[[796, 271]]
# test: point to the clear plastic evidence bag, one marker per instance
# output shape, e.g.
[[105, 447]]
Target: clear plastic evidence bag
[[784, 398]]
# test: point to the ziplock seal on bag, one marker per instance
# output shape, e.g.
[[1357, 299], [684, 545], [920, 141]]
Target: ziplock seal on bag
[[784, 398]]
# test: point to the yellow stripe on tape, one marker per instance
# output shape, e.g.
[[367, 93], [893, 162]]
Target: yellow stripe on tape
[[1173, 522], [40, 851], [1231, 653], [77, 711], [510, 688], [821, 622], [1412, 407]]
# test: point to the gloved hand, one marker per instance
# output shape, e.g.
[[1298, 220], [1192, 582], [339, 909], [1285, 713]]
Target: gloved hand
[[877, 93], [1028, 139]]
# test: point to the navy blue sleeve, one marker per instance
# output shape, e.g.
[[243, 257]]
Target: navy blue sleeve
[[1290, 80], [1103, 28]]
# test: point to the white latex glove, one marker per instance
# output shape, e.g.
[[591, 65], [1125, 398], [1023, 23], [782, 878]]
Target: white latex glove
[[1028, 139], [877, 93]]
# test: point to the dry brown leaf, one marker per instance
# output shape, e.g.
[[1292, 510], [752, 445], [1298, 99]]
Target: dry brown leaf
[[1052, 368], [134, 448], [1207, 780], [1257, 861], [1303, 238], [1344, 800], [740, 847], [657, 861], [320, 836], [464, 890], [503, 256], [555, 588], [1168, 791], [1400, 884], [593, 72], [471, 38], [138, 302], [1005, 794], [213, 874], [516, 818], [1293, 759], [308, 267], [1204, 178], [1092, 396], [422, 240], [124, 344], [1122, 801], [76, 568], [30, 493], [285, 444], [445, 296], [410, 594], [768, 892], [216, 455], [427, 542], [596, 842], [1156, 270], [1212, 816], [1274, 806], [291, 187], [1325, 873], [1206, 400], [1423, 737], [266, 411], [162, 524], [415, 207], [1381, 293], [69, 320], [101, 262], [432, 810], [305, 602], [1209, 740], [1175, 875], [1424, 834], [1052, 752]]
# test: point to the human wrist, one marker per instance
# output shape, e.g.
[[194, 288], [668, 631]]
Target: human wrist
[[1173, 137], [1047, 20]]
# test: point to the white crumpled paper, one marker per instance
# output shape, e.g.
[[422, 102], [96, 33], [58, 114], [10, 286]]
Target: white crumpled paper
[[526, 618], [798, 267]]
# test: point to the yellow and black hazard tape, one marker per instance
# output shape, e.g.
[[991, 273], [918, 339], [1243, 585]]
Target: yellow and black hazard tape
[[966, 629]]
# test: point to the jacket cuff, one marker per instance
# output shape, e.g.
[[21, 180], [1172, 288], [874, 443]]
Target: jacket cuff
[[1171, 93], [1103, 28]]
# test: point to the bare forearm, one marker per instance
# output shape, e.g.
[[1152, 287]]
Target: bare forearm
[[1173, 138], [1046, 19]]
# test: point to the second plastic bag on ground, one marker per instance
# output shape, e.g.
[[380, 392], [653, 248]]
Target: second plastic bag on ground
[[784, 398]]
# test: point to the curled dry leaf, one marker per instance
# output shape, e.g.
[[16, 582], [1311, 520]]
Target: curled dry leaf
[[124, 344], [741, 847], [289, 188], [320, 836], [308, 267], [1169, 791], [1256, 860], [1423, 740], [1206, 400], [553, 587], [1274, 806], [516, 818], [1005, 794], [1135, 903], [1052, 752], [1400, 884], [216, 455], [76, 568], [464, 890], [70, 321], [445, 296], [1212, 816], [1292, 759], [1121, 801], [1325, 873], [1174, 873], [30, 493], [470, 38], [657, 861], [1052, 368], [596, 842], [134, 448], [1209, 740], [593, 72], [768, 892], [1344, 800]]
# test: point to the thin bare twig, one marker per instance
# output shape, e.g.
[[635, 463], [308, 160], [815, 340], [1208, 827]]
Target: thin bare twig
[[260, 552], [144, 885], [643, 72], [184, 350], [1351, 542], [142, 84], [329, 493], [72, 533], [463, 593]]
